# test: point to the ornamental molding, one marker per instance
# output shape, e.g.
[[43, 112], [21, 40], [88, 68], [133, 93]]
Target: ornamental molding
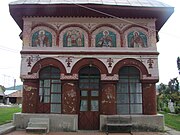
[[105, 77], [69, 77], [30, 76]]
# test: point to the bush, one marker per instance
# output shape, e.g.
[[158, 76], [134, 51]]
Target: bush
[[166, 109], [177, 109]]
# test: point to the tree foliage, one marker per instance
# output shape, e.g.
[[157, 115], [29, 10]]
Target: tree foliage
[[167, 93], [2, 88], [173, 85]]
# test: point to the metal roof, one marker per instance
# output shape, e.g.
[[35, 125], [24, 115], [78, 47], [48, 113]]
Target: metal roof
[[139, 3]]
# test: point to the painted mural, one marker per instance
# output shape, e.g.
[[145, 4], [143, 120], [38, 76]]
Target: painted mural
[[137, 39], [106, 39], [42, 38], [73, 38]]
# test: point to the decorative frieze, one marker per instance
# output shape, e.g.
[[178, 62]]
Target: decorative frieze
[[68, 61], [110, 78], [69, 77], [150, 62], [31, 59], [30, 76], [110, 61]]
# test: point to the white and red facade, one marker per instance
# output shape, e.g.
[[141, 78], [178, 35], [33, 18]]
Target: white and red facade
[[90, 65]]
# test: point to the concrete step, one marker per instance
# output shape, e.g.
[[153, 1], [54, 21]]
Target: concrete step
[[7, 128], [37, 124], [36, 129]]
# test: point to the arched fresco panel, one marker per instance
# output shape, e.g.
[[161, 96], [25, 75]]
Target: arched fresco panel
[[73, 38], [106, 38], [136, 39], [42, 38]]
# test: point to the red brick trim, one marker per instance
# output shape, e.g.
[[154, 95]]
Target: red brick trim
[[48, 62], [88, 53], [44, 25], [133, 25], [105, 25], [131, 62], [89, 61]]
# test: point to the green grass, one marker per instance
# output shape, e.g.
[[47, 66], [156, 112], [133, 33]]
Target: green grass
[[6, 114], [172, 120]]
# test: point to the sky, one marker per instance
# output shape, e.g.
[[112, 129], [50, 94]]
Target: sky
[[11, 45]]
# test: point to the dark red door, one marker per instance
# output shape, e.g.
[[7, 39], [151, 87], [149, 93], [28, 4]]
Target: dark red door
[[89, 78]]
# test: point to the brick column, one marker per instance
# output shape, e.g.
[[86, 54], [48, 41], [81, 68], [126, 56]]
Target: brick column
[[108, 98], [149, 99], [30, 95], [69, 97]]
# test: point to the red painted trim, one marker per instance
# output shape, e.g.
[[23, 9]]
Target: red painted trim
[[133, 25], [44, 25], [131, 62], [74, 25], [48, 62], [88, 53], [86, 62], [105, 25]]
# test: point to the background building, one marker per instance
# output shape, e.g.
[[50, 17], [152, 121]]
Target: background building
[[89, 60]]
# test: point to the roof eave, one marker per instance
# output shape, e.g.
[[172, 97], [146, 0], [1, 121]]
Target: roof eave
[[59, 10]]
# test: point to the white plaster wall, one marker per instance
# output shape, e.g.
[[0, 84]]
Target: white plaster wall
[[75, 58]]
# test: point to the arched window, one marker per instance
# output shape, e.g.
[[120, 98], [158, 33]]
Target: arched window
[[129, 91], [50, 88]]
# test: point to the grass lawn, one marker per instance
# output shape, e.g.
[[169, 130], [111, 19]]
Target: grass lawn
[[6, 114], [172, 120]]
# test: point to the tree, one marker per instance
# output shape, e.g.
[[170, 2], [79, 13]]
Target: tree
[[2, 88], [167, 93], [178, 64], [173, 85]]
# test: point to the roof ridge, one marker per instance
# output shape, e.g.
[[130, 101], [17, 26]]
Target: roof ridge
[[139, 3]]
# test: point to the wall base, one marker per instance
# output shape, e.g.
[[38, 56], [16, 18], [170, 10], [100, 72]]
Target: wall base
[[65, 122], [140, 122], [58, 122]]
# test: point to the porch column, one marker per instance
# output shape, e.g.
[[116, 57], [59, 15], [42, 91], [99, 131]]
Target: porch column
[[30, 96], [108, 99], [149, 99], [69, 97]]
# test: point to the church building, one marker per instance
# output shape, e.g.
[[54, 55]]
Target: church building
[[83, 61]]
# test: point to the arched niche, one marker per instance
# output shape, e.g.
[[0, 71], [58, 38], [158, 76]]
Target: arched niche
[[42, 36], [136, 37], [105, 36], [73, 36]]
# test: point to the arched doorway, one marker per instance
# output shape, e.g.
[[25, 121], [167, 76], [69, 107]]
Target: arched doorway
[[129, 91], [49, 90], [89, 89]]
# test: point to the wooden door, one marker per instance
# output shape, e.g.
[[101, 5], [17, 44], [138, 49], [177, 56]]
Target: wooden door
[[89, 78]]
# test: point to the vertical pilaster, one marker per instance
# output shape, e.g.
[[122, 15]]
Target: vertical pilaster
[[149, 99], [30, 96]]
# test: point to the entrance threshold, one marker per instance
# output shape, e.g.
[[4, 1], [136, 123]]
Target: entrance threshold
[[88, 131]]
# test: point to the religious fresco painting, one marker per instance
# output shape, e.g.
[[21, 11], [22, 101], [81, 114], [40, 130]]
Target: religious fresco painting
[[106, 39], [137, 39], [42, 38], [73, 38]]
